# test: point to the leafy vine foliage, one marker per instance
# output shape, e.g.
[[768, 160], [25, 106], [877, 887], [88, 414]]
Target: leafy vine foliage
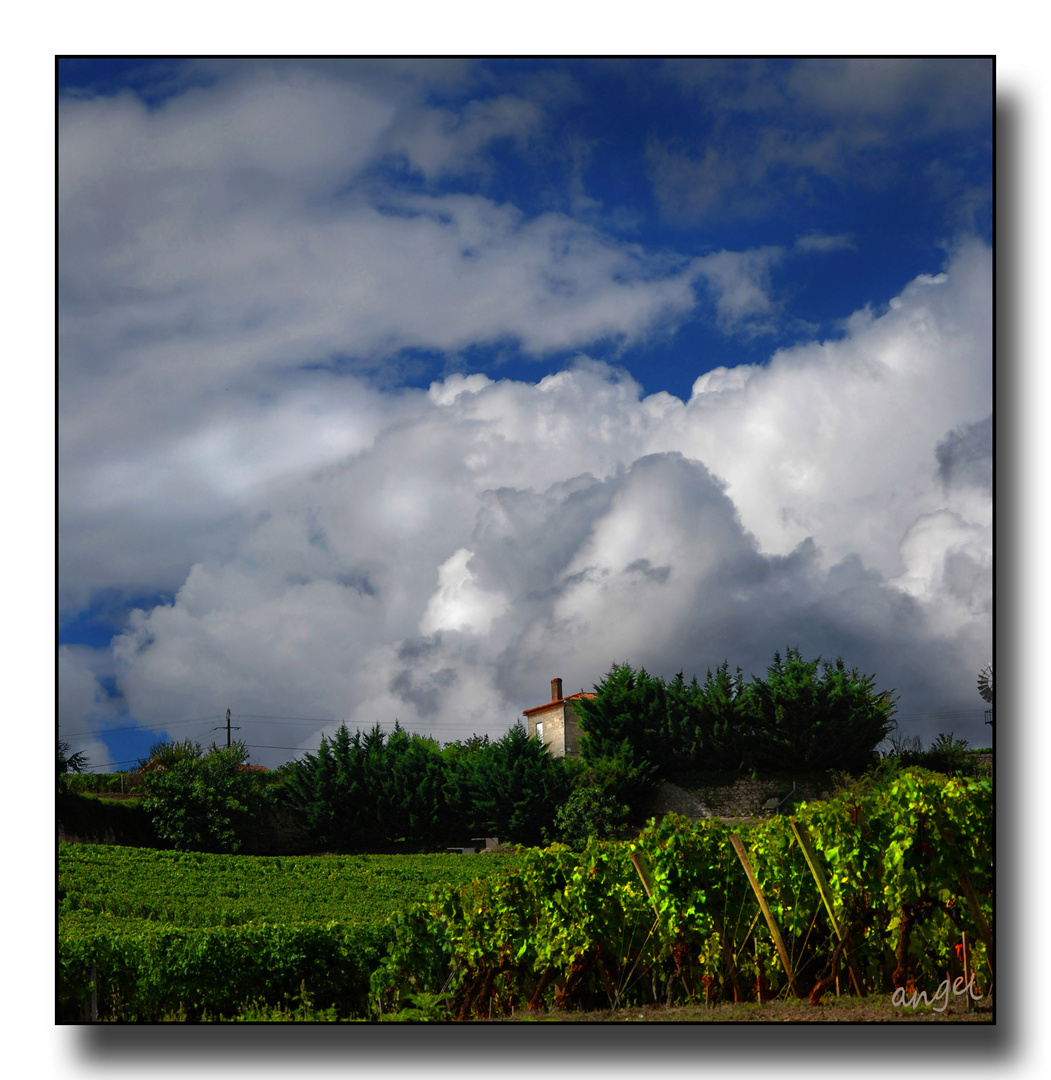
[[668, 917], [578, 929], [191, 935]]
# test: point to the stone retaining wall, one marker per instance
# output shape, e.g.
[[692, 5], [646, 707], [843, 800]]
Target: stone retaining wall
[[743, 798]]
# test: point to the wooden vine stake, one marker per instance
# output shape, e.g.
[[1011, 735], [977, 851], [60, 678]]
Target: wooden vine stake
[[967, 973], [826, 895], [642, 866], [767, 913], [976, 912], [984, 931]]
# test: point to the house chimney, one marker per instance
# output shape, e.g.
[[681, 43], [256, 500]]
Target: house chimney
[[556, 689]]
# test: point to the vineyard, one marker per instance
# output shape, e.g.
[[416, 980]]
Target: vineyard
[[861, 894], [200, 934]]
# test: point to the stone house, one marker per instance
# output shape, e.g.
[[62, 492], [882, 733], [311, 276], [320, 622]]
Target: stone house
[[555, 724]]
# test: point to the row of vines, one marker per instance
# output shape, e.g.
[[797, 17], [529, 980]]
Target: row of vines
[[147, 934], [197, 889], [862, 894], [673, 917]]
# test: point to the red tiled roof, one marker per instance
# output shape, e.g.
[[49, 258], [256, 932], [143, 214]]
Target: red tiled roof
[[558, 701]]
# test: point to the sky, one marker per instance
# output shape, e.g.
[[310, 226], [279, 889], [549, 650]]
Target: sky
[[393, 389]]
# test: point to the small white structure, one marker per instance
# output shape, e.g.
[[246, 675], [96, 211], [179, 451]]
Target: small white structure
[[555, 724]]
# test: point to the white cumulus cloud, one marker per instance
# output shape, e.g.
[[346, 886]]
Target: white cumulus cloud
[[492, 534], [242, 287]]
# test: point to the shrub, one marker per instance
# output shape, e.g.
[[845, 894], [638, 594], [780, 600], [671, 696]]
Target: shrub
[[205, 802], [590, 813]]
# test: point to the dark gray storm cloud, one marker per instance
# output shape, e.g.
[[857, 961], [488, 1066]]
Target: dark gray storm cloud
[[965, 456]]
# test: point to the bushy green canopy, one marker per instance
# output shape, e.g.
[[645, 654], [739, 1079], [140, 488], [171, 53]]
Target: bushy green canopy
[[803, 715], [202, 801], [369, 789]]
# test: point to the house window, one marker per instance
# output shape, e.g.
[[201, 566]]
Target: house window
[[540, 730]]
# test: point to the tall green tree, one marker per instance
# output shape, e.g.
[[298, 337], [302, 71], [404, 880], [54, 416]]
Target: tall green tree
[[369, 789], [811, 716], [414, 787], [516, 786], [460, 762], [628, 707], [708, 729], [804, 716], [76, 763], [670, 728], [164, 754]]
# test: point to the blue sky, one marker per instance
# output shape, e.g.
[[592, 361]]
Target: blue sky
[[387, 387]]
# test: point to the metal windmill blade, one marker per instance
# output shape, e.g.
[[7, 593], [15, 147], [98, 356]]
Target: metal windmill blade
[[985, 683]]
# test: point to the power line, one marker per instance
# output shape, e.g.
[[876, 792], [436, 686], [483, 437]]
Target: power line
[[428, 733], [948, 715], [944, 712], [107, 764], [125, 731], [261, 718], [321, 720], [304, 719], [332, 720], [257, 746]]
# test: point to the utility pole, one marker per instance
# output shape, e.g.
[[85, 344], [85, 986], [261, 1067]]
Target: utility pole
[[227, 729]]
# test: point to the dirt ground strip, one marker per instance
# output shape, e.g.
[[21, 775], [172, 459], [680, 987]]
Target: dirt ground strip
[[879, 1009]]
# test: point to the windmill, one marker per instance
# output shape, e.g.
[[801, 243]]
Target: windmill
[[985, 688]]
